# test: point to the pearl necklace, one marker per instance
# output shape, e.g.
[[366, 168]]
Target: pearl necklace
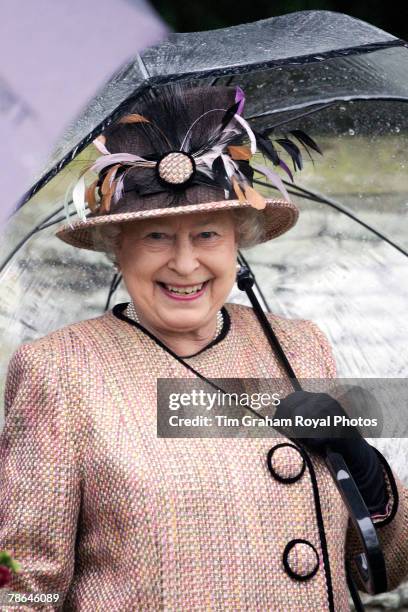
[[131, 313]]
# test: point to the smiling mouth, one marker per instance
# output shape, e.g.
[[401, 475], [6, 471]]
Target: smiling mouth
[[187, 290]]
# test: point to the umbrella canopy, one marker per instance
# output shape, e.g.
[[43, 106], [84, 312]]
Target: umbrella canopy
[[343, 265]]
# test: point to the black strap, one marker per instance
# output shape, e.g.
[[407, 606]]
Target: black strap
[[245, 282]]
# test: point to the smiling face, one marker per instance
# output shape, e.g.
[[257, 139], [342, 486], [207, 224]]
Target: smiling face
[[179, 270]]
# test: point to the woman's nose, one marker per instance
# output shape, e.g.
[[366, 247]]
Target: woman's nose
[[184, 258]]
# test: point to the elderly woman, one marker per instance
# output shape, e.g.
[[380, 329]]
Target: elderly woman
[[100, 511]]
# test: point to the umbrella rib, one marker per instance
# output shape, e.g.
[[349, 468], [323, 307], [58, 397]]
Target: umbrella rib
[[288, 120], [328, 103], [116, 280], [43, 224], [142, 66], [54, 222], [19, 245], [315, 196]]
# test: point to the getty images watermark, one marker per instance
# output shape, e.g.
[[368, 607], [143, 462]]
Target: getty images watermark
[[198, 398], [190, 408]]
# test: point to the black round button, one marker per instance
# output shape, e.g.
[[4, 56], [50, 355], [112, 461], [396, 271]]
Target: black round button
[[286, 463], [300, 559]]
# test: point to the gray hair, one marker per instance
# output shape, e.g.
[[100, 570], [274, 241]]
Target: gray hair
[[249, 229]]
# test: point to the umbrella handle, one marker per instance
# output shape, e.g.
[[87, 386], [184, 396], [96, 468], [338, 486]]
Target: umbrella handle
[[370, 563]]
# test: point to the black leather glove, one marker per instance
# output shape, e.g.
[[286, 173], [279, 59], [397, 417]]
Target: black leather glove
[[360, 457]]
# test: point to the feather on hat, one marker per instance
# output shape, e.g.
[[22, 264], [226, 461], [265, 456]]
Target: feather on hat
[[183, 150]]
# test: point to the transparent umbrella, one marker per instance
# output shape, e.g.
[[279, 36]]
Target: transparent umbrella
[[343, 265]]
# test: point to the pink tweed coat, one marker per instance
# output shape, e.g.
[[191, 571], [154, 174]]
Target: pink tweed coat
[[100, 511]]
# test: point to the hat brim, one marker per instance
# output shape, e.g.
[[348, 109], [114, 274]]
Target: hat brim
[[279, 217]]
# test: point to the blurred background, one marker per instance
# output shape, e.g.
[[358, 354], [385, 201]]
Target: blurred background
[[183, 17]]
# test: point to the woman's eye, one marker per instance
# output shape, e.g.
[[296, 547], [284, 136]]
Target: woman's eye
[[208, 234], [156, 235]]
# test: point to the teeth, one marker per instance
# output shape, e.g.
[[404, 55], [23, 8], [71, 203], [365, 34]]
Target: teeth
[[185, 290]]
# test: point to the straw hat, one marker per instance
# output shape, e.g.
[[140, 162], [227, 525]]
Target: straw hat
[[179, 151]]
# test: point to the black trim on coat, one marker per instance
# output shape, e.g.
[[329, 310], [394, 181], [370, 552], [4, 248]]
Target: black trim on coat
[[394, 491], [320, 524], [118, 312]]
